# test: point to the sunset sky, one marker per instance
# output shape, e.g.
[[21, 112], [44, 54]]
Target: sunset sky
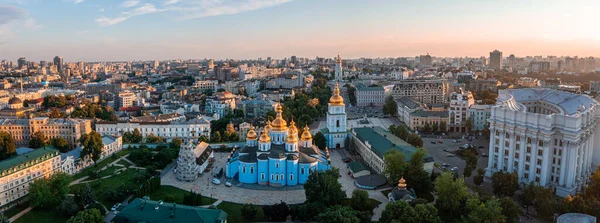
[[109, 30]]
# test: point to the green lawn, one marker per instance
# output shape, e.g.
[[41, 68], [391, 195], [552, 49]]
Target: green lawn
[[108, 171], [386, 192], [42, 216], [99, 186], [101, 164], [234, 212], [16, 209], [124, 163], [177, 193]]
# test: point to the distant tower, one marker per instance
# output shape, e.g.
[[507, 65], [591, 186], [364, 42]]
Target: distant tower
[[496, 59], [336, 120], [58, 62], [339, 73]]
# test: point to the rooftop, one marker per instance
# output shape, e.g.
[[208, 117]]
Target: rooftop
[[22, 161], [370, 89], [150, 211], [570, 103], [421, 113], [382, 141]]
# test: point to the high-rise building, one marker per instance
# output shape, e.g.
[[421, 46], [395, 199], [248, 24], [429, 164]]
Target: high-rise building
[[548, 137], [155, 65], [424, 91], [58, 61], [496, 60], [22, 63], [125, 99]]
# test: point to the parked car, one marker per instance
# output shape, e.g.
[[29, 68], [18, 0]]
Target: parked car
[[455, 141], [481, 147], [454, 169], [115, 207], [228, 184], [445, 165], [484, 155], [449, 155], [347, 160], [216, 181], [432, 142]]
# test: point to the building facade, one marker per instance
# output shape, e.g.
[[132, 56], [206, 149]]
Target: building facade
[[496, 59], [458, 114], [479, 115], [370, 96], [279, 157], [546, 136], [426, 91], [595, 86], [190, 129], [406, 106], [70, 129], [18, 172], [338, 72], [221, 103], [421, 118], [193, 160]]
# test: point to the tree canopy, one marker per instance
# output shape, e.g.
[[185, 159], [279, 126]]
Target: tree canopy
[[91, 215], [49, 192], [38, 140], [92, 146], [7, 146], [324, 187]]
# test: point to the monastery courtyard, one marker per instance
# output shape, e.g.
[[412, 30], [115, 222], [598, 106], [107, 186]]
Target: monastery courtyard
[[271, 196]]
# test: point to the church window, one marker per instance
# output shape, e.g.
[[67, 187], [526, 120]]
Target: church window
[[243, 169], [302, 170], [337, 123], [251, 169], [272, 177], [291, 176], [276, 165], [282, 177], [262, 176]]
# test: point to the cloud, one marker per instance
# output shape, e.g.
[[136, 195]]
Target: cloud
[[74, 1], [142, 10], [129, 3], [170, 2], [190, 9], [10, 13]]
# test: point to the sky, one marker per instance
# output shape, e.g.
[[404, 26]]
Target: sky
[[116, 30]]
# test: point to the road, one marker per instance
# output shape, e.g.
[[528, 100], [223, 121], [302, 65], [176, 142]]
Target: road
[[440, 156]]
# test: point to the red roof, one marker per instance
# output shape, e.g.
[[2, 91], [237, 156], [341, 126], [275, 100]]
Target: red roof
[[131, 109]]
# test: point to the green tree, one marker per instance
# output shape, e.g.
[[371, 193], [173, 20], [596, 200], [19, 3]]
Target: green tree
[[324, 187], [478, 179], [92, 146], [276, 212], [359, 199], [401, 132], [127, 137], [137, 136], [249, 212], [435, 127], [427, 213], [505, 184], [390, 107], [510, 209], [427, 127], [450, 193], [7, 146], [68, 207], [471, 161], [320, 141], [394, 165], [154, 139], [338, 214], [594, 186], [544, 204], [176, 143], [490, 211], [61, 144], [415, 175], [91, 215], [399, 211], [415, 140], [3, 218], [48, 192], [469, 124], [38, 140]]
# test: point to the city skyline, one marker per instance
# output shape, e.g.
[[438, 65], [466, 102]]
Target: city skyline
[[90, 30]]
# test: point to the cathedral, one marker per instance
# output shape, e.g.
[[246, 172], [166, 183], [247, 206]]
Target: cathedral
[[336, 131], [280, 156]]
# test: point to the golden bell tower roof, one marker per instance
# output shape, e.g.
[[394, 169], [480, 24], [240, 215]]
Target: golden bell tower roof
[[264, 137], [402, 184], [336, 99], [306, 136], [339, 59], [251, 134], [279, 124]]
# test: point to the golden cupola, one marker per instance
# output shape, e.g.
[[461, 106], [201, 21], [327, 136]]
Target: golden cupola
[[251, 134], [229, 128], [279, 124], [264, 137], [268, 127], [293, 127], [336, 99], [306, 136]]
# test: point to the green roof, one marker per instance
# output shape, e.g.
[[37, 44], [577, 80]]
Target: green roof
[[26, 160], [141, 210], [357, 166], [382, 141], [421, 113]]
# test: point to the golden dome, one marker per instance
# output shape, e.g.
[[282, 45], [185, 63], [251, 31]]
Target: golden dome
[[336, 99], [268, 127], [264, 137], [230, 129], [279, 124], [293, 127], [402, 184], [306, 136], [251, 134], [339, 59]]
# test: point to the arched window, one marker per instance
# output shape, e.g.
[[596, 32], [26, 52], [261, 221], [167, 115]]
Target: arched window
[[276, 165], [282, 177], [337, 123], [251, 169], [243, 169], [302, 170], [272, 177], [291, 176], [262, 176]]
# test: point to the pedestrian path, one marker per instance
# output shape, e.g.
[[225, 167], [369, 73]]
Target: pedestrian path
[[17, 216]]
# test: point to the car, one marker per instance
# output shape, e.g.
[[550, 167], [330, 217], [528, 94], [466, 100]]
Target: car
[[216, 181], [445, 149], [484, 155], [432, 142], [481, 147], [449, 155], [228, 184], [445, 165], [454, 169], [440, 141], [347, 160], [115, 207]]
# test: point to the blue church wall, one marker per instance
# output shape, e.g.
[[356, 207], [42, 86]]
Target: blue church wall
[[292, 172], [263, 172], [277, 172], [248, 172], [232, 169], [305, 170], [323, 167]]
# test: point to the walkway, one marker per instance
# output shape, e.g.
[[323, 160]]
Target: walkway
[[17, 216], [114, 163]]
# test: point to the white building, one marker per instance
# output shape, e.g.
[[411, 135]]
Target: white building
[[204, 85], [221, 103], [406, 106], [339, 72], [17, 172], [529, 82], [193, 128], [547, 136], [479, 115], [112, 144], [458, 114], [336, 131], [595, 86], [125, 99], [193, 160], [370, 96]]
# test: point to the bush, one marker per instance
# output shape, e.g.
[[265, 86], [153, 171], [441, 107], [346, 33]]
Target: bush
[[170, 198], [97, 206]]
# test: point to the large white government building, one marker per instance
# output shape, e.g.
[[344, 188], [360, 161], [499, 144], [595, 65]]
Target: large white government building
[[546, 136]]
